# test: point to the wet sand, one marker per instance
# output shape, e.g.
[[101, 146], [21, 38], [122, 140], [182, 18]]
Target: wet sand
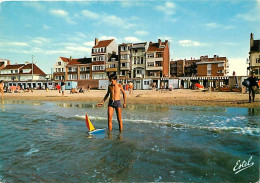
[[175, 97]]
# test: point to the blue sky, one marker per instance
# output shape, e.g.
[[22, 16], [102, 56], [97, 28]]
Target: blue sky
[[50, 29]]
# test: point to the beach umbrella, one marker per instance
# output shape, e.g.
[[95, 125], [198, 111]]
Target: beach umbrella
[[198, 85]]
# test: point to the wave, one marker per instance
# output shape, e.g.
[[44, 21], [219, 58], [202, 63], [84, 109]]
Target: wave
[[180, 126], [31, 151]]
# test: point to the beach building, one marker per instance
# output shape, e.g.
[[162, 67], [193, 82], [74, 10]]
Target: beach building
[[125, 60], [24, 75], [138, 53], [112, 65], [182, 68], [60, 68], [78, 69], [101, 53], [158, 59], [216, 66], [254, 56]]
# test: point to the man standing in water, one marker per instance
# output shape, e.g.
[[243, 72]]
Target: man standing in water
[[114, 90], [253, 85]]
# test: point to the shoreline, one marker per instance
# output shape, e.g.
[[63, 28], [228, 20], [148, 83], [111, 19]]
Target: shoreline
[[179, 97]]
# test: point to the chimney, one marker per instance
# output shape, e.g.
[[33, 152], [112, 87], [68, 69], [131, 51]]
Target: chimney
[[70, 58], [159, 41], [251, 40], [96, 41]]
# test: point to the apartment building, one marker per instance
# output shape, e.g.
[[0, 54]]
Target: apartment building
[[254, 55], [112, 65], [216, 66], [181, 68], [101, 53], [78, 69], [138, 52], [125, 60], [158, 59], [60, 68]]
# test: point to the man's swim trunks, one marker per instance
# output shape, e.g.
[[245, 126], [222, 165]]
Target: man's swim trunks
[[115, 104]]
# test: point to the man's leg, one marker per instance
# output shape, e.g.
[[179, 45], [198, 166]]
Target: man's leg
[[119, 118], [110, 112], [253, 95], [250, 93]]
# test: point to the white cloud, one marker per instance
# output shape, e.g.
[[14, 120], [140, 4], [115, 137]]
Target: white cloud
[[141, 33], [111, 20], [107, 37], [132, 39], [187, 43], [238, 65], [40, 40], [62, 14], [89, 43], [46, 27], [78, 49], [213, 25], [90, 14], [247, 17], [18, 44], [168, 8]]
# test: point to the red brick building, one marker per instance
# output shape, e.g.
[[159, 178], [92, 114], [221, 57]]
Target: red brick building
[[158, 59]]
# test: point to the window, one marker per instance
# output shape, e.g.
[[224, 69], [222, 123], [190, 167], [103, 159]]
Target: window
[[59, 70], [220, 71], [146, 82], [221, 65], [257, 60], [98, 67], [150, 55], [84, 76], [159, 55], [208, 66], [142, 60], [138, 71], [209, 72], [138, 60], [123, 48], [112, 66], [59, 63], [125, 56], [72, 76], [123, 73], [69, 69], [134, 60], [150, 64]]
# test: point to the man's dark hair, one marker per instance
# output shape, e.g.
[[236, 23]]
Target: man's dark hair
[[113, 76]]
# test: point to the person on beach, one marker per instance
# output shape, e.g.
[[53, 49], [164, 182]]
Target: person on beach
[[131, 87], [113, 92], [62, 84], [2, 88], [253, 85]]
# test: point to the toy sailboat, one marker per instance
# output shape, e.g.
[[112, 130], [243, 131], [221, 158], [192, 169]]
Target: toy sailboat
[[91, 128]]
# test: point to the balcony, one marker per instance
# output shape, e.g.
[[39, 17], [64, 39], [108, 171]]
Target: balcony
[[111, 69], [125, 68], [154, 68], [139, 76]]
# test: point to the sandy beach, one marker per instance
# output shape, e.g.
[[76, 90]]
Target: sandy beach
[[175, 97]]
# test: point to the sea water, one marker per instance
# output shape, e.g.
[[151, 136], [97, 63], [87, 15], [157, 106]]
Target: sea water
[[48, 142]]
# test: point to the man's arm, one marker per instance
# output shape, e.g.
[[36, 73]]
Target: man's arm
[[103, 101], [124, 96]]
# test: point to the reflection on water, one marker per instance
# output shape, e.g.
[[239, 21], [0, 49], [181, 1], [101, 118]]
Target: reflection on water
[[48, 142]]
